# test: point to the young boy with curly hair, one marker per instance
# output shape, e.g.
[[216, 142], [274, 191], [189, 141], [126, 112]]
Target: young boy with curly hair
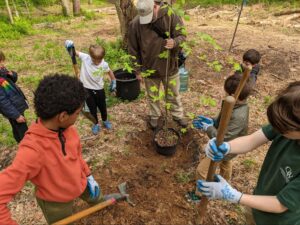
[[93, 68], [50, 154], [12, 100], [276, 197]]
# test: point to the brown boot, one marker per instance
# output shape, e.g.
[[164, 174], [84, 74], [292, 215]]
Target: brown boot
[[181, 121]]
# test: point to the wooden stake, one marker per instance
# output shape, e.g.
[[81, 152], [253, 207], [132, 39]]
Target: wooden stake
[[226, 112]]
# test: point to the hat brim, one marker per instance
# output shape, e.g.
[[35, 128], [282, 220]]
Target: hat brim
[[146, 19]]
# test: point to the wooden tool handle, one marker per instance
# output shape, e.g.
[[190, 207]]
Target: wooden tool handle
[[85, 212], [244, 79], [225, 118], [76, 70]]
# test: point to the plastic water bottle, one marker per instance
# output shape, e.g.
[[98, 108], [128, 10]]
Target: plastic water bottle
[[184, 78]]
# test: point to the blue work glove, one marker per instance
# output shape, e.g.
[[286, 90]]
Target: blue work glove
[[69, 44], [219, 189], [216, 153], [203, 123], [113, 86], [93, 187]]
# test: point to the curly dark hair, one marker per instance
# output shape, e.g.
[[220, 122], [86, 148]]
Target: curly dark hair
[[232, 82], [284, 112], [58, 93], [252, 56]]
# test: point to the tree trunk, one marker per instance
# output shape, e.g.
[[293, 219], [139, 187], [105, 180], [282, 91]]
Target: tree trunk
[[66, 7], [27, 8], [90, 2], [15, 8], [76, 7], [126, 12], [9, 12]]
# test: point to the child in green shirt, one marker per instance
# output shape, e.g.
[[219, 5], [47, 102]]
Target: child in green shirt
[[276, 198]]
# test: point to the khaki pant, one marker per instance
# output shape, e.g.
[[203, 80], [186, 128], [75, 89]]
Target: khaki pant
[[153, 87], [55, 211], [225, 169]]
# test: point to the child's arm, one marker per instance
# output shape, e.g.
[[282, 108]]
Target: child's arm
[[240, 145], [111, 75], [25, 166], [248, 143], [113, 81], [264, 203], [220, 189]]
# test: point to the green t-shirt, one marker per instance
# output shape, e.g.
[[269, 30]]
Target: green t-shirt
[[280, 176]]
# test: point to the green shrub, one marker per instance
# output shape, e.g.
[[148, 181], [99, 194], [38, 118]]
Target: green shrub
[[20, 28], [192, 3], [89, 15], [44, 2], [115, 55], [23, 26]]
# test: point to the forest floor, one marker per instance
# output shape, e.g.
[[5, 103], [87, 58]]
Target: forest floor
[[158, 184]]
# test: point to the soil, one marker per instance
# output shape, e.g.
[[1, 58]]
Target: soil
[[166, 138], [156, 184]]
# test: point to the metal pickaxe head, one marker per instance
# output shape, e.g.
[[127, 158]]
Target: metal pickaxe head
[[122, 189]]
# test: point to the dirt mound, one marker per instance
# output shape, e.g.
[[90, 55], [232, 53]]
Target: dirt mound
[[156, 184]]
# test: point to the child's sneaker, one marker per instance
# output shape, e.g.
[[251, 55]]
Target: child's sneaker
[[95, 129], [107, 124]]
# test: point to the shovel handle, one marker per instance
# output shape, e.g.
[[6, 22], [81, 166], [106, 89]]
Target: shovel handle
[[76, 70], [225, 118], [85, 212], [227, 108], [244, 79]]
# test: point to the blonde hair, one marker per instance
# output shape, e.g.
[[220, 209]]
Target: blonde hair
[[97, 52]]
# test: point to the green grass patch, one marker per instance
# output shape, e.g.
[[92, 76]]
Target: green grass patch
[[30, 81], [6, 135], [48, 19]]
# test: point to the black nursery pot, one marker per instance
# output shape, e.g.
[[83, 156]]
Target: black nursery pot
[[166, 150], [128, 87]]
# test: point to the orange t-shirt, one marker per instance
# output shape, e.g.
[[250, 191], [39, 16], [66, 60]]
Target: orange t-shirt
[[58, 177]]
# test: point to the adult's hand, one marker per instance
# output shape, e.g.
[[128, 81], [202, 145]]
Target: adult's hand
[[21, 119], [170, 43]]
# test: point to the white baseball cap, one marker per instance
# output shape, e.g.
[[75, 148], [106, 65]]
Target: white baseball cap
[[145, 10]]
